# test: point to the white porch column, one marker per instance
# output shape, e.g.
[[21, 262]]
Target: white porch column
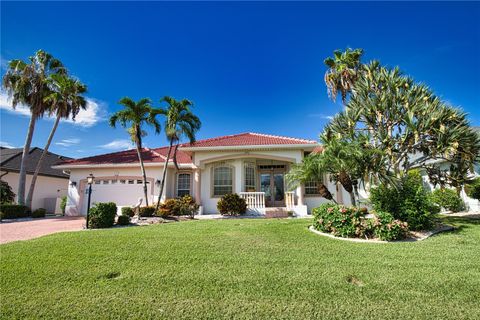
[[238, 179], [300, 192], [197, 185]]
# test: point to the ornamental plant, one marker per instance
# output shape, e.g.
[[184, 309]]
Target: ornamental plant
[[102, 215], [448, 199], [232, 204]]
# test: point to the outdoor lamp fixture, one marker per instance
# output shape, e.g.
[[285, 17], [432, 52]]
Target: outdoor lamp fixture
[[90, 180]]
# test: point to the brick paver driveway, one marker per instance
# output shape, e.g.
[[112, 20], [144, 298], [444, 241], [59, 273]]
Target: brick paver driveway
[[24, 230]]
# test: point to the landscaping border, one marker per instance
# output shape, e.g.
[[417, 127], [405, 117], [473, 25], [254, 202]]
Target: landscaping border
[[441, 228]]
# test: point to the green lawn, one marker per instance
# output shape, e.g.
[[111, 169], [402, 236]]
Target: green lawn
[[244, 269]]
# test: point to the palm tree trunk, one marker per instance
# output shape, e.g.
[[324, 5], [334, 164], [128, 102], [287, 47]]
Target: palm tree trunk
[[144, 176], [162, 183], [352, 199], [39, 164], [23, 170]]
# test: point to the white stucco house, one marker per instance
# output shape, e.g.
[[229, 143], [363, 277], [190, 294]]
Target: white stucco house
[[250, 164]]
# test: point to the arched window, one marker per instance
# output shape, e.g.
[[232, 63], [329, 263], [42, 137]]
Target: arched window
[[183, 184], [222, 180]]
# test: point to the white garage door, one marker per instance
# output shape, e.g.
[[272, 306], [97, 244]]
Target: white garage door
[[124, 192]]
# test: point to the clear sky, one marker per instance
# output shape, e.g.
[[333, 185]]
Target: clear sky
[[246, 66]]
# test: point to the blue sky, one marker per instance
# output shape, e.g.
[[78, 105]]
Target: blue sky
[[246, 66]]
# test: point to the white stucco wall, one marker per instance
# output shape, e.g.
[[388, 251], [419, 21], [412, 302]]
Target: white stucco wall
[[45, 187], [120, 194]]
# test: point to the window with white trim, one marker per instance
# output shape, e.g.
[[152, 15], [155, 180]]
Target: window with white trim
[[250, 178], [183, 184], [222, 180], [311, 187]]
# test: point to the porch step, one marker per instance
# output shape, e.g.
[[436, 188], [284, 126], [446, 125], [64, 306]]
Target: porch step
[[278, 212]]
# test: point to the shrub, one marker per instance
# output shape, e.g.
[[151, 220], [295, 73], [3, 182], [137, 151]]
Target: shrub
[[6, 193], [39, 213], [147, 211], [123, 220], [387, 228], [473, 189], [14, 211], [408, 202], [351, 222], [232, 204], [448, 199], [128, 211], [169, 208], [187, 206], [102, 215], [63, 204], [342, 221]]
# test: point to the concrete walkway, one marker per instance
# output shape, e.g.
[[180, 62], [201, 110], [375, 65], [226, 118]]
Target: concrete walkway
[[34, 228]]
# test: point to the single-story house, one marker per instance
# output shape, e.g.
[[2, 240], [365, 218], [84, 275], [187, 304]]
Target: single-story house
[[51, 185], [250, 164]]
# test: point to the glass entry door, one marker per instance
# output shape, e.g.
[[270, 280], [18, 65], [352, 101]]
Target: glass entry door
[[272, 183]]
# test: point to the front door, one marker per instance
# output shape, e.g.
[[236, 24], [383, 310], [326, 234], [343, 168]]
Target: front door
[[272, 183]]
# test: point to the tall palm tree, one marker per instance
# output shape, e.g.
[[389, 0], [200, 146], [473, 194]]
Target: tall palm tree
[[65, 100], [134, 116], [343, 71], [26, 83], [180, 122]]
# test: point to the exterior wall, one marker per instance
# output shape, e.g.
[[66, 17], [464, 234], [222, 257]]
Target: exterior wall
[[45, 188], [77, 187]]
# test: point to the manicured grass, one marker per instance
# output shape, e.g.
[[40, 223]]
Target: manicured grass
[[243, 269]]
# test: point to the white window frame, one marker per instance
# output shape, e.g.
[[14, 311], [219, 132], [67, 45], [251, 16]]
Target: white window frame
[[312, 185], [177, 189], [232, 174], [253, 178]]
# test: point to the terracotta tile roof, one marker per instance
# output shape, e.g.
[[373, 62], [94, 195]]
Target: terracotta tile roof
[[248, 139], [318, 149], [157, 155]]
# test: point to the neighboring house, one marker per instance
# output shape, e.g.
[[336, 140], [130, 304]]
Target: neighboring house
[[51, 185], [250, 164]]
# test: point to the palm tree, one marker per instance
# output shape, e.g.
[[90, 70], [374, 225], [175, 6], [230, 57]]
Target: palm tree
[[65, 101], [180, 122], [312, 168], [26, 83], [343, 71], [134, 116]]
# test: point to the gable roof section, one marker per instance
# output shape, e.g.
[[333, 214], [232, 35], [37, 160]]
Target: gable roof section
[[12, 158], [158, 155], [247, 139]]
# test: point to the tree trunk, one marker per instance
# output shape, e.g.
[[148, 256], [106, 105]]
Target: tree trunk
[[162, 183], [352, 199], [144, 176], [39, 164], [23, 170], [325, 193]]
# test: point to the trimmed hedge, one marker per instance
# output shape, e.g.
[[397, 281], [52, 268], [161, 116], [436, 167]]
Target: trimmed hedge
[[147, 211], [39, 213], [123, 220], [184, 206], [128, 211], [473, 189], [102, 215], [14, 211], [232, 204]]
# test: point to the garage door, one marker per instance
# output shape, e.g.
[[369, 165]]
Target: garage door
[[124, 192]]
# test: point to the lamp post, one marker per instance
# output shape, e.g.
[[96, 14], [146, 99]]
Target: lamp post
[[90, 180]]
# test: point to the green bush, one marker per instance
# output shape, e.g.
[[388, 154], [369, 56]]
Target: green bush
[[128, 211], [408, 202], [232, 204], [169, 208], [448, 199], [187, 206], [387, 228], [123, 220], [147, 211], [351, 222], [14, 211], [39, 213], [473, 189], [342, 221], [63, 204], [102, 215], [6, 193]]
